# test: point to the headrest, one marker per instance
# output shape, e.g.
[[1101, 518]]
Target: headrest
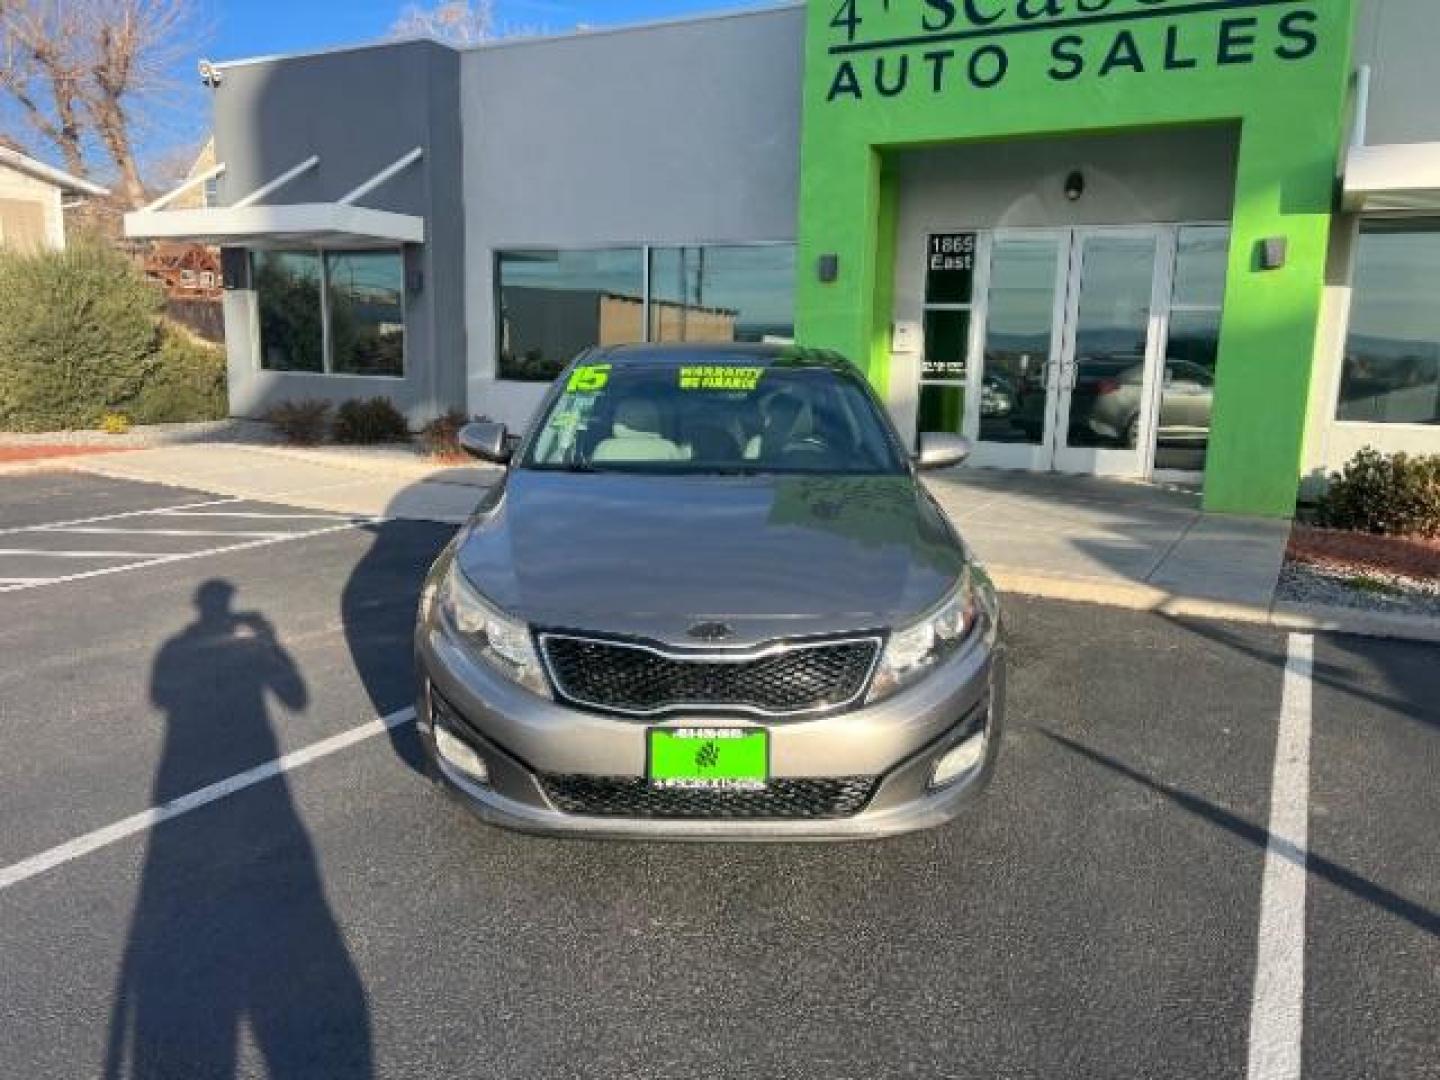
[[636, 416]]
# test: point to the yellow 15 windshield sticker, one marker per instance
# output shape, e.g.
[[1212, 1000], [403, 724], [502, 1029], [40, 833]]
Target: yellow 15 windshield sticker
[[590, 379], [720, 377]]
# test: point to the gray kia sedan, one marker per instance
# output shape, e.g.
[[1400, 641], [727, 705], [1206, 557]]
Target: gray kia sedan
[[711, 600]]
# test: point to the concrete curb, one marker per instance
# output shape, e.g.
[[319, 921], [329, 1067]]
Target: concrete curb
[[1282, 614], [58, 463], [1340, 620], [43, 465]]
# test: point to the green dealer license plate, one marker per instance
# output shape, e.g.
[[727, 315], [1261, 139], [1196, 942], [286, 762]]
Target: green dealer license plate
[[719, 759]]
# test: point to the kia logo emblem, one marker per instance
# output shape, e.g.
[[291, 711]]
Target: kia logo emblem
[[711, 631]]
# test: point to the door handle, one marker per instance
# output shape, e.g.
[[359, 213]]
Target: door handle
[[1068, 375]]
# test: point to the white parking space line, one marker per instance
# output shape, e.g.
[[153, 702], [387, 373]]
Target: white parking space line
[[1277, 1013], [93, 530], [264, 515], [165, 560], [148, 819], [41, 553], [117, 517], [21, 580]]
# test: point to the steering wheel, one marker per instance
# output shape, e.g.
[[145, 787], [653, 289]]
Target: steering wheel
[[806, 445]]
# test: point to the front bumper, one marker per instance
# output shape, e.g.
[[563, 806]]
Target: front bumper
[[525, 740]]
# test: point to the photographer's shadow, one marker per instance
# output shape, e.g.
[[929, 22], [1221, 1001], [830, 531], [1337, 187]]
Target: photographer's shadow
[[231, 930]]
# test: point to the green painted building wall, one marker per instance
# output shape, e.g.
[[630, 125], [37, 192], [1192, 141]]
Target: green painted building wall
[[883, 76]]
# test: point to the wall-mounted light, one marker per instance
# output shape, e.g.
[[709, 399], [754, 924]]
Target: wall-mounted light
[[1273, 251], [829, 269], [1075, 186]]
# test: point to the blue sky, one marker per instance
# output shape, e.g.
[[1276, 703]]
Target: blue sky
[[242, 28], [237, 29]]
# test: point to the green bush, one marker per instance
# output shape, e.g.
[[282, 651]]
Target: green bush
[[303, 422], [186, 384], [79, 334], [372, 420], [1394, 495]]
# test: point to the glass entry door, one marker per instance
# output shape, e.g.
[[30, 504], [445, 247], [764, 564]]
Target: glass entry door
[[1112, 350], [1067, 340], [1018, 349]]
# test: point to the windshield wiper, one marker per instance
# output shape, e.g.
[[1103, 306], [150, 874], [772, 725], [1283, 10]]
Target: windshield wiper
[[567, 467]]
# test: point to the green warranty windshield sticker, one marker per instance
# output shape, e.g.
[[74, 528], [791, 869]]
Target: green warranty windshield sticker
[[590, 379], [720, 378]]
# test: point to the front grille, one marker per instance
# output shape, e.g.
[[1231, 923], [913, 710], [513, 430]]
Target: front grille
[[781, 681], [634, 797]]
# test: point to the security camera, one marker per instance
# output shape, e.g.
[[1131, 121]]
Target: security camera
[[209, 74]]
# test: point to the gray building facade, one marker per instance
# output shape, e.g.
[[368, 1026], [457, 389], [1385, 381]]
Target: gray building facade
[[445, 227]]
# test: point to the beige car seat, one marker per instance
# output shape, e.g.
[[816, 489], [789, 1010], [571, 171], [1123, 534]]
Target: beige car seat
[[635, 436], [783, 416]]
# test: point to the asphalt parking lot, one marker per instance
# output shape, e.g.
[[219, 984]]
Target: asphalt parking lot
[[174, 903]]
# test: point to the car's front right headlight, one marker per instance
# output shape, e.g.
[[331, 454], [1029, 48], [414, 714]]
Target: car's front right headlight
[[501, 640], [914, 649]]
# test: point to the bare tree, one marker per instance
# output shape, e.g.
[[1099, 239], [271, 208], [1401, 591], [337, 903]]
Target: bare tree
[[133, 43], [82, 71], [455, 22], [44, 71]]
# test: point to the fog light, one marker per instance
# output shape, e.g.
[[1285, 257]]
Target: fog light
[[959, 761], [460, 755]]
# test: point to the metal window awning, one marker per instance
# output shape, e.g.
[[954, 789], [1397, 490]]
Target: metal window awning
[[321, 224], [249, 222], [1393, 178]]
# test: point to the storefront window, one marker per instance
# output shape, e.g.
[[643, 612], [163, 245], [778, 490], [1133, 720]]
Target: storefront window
[[287, 289], [1188, 392], [949, 294], [723, 293], [554, 304], [1392, 357], [349, 302], [367, 312]]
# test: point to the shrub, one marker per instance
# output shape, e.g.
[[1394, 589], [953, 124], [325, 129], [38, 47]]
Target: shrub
[[186, 384], [114, 423], [375, 420], [441, 436], [1395, 495], [79, 332], [303, 422]]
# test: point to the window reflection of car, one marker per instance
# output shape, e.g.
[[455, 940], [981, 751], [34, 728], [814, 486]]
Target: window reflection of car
[[997, 398], [1185, 404]]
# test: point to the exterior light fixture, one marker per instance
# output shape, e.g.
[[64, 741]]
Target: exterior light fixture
[[829, 269], [1273, 252], [1075, 186]]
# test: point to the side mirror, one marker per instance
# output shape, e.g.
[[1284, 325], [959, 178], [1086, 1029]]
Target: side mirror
[[485, 441], [940, 450]]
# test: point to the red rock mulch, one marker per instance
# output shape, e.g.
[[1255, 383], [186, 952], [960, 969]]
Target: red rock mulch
[[1412, 556], [10, 455]]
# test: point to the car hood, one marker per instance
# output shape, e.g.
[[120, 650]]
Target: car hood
[[768, 555]]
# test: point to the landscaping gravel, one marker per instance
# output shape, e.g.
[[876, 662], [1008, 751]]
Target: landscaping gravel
[[247, 432], [1304, 583]]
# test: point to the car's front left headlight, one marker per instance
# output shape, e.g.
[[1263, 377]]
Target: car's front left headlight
[[913, 650], [501, 640]]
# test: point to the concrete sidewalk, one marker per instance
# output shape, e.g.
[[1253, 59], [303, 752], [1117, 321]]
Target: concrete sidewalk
[[1069, 538], [385, 482], [1134, 545], [1073, 537]]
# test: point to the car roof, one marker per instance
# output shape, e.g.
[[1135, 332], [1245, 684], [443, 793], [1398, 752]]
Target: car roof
[[756, 354]]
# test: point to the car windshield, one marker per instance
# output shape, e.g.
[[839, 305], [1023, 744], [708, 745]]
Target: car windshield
[[732, 418]]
